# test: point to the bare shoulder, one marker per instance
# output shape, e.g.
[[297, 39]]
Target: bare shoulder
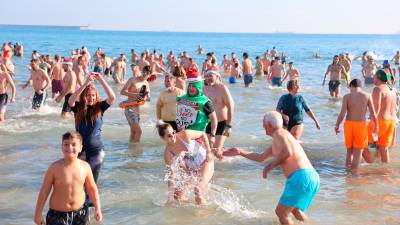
[[56, 165]]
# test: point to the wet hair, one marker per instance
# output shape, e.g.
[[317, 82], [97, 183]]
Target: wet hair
[[162, 127], [56, 57], [209, 54], [277, 58], [355, 83], [147, 69], [83, 109], [291, 83], [290, 63], [257, 57], [34, 61], [71, 135], [213, 61], [245, 55], [179, 71]]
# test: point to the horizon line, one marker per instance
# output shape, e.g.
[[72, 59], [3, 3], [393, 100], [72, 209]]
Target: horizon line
[[88, 28]]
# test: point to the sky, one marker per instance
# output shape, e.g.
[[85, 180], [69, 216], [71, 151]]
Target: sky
[[247, 16]]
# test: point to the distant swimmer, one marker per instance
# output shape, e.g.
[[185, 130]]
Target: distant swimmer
[[119, 72], [200, 50], [69, 82], [56, 76], [384, 101], [40, 82], [224, 107], [247, 70], [292, 73], [396, 60], [187, 154], [274, 52], [18, 49], [317, 55], [67, 179], [291, 106], [136, 89], [235, 73], [276, 72], [266, 63], [5, 80], [388, 69], [346, 63], [259, 68], [302, 180], [355, 106], [225, 64], [368, 70], [334, 70]]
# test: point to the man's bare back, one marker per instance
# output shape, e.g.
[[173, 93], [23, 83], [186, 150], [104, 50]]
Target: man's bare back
[[282, 140], [357, 105], [384, 102]]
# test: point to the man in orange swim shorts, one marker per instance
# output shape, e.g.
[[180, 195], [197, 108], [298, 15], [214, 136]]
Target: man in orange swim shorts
[[354, 106], [384, 100]]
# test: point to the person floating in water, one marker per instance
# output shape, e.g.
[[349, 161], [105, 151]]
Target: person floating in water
[[302, 180]]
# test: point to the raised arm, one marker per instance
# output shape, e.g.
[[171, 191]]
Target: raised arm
[[107, 89], [74, 97], [91, 188], [43, 194]]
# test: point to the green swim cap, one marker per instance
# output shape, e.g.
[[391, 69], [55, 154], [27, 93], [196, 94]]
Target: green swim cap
[[382, 75]]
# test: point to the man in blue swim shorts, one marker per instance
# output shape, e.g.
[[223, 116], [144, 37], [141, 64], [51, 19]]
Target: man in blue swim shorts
[[302, 180], [247, 70]]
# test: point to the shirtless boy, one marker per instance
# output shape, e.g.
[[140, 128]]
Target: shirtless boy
[[335, 70], [276, 71], [67, 178], [133, 89], [40, 81], [355, 106], [5, 79], [302, 180]]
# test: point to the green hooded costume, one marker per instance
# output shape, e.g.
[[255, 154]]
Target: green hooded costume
[[190, 110]]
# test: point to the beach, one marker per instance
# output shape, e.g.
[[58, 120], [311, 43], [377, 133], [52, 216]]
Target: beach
[[132, 182]]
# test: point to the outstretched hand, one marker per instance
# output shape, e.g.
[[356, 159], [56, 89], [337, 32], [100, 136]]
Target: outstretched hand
[[231, 152]]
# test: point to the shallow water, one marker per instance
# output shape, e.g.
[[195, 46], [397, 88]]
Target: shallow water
[[132, 186]]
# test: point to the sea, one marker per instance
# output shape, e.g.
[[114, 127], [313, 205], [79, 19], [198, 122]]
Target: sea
[[132, 182]]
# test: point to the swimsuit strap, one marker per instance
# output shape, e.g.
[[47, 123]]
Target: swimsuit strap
[[187, 145]]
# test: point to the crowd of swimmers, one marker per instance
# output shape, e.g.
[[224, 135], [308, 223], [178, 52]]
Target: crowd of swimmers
[[195, 113]]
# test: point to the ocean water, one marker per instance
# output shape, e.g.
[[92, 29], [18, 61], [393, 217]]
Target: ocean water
[[131, 184]]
